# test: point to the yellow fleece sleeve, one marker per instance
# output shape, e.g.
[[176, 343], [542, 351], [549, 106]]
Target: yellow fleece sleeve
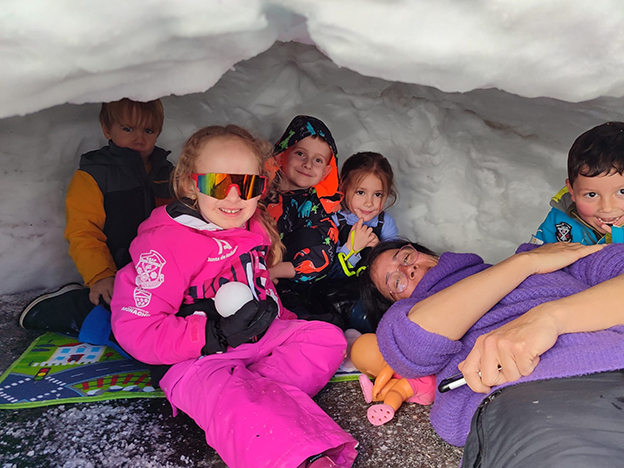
[[84, 230]]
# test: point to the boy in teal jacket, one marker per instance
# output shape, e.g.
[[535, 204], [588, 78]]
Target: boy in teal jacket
[[590, 208]]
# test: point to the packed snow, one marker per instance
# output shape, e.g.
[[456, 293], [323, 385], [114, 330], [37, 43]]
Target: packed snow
[[474, 103]]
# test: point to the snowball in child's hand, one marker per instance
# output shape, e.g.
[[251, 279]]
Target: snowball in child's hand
[[232, 296]]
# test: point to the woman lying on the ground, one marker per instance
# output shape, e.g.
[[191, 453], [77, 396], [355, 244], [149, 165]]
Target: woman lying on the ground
[[520, 321]]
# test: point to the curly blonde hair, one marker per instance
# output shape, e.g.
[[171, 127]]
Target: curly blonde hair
[[182, 182]]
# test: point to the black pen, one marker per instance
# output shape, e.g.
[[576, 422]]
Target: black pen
[[453, 382]]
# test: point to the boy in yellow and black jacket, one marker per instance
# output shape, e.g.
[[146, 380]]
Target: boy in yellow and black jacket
[[114, 190]]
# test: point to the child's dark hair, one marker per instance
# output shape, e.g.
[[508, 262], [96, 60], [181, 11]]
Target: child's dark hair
[[181, 179], [597, 151], [127, 112], [374, 302], [358, 166]]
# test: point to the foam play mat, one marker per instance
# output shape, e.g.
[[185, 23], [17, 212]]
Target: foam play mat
[[58, 369]]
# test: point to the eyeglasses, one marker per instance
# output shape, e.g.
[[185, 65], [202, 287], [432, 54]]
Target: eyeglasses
[[218, 185], [397, 280]]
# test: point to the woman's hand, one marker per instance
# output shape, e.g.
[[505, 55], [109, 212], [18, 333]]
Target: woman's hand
[[361, 236], [511, 351], [552, 257]]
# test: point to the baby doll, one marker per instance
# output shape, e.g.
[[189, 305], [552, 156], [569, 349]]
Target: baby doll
[[389, 387]]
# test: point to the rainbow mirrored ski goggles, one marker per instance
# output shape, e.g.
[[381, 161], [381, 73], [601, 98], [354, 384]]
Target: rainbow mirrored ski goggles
[[218, 185]]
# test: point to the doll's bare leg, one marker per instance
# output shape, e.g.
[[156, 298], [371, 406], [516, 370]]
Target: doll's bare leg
[[381, 414], [382, 379], [381, 396], [367, 389], [397, 395]]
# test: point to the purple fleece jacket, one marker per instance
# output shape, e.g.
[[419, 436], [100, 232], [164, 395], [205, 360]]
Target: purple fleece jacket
[[413, 352]]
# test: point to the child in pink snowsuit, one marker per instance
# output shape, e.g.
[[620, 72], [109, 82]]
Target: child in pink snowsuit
[[247, 379]]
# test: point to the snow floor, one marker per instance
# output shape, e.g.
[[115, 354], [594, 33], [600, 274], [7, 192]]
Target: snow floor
[[143, 433]]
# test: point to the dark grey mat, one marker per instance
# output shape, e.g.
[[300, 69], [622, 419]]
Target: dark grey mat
[[143, 433]]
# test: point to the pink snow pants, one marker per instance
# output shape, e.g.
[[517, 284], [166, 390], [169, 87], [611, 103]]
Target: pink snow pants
[[255, 401]]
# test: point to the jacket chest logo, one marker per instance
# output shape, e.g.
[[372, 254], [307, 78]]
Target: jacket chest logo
[[225, 251], [149, 270], [564, 232]]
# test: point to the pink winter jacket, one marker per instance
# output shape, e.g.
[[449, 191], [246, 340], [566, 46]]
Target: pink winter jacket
[[177, 258]]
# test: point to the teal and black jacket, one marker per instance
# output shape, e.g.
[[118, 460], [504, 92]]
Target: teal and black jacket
[[563, 224]]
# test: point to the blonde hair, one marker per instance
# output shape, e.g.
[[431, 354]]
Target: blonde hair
[[181, 179], [360, 165], [133, 113]]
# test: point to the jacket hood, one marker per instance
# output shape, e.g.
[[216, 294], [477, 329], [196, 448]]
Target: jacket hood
[[299, 128]]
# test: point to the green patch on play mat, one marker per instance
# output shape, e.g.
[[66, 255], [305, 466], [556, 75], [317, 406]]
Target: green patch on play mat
[[58, 369], [344, 376]]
